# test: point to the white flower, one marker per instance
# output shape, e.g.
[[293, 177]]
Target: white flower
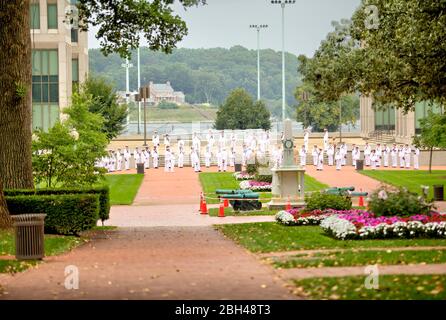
[[382, 195]]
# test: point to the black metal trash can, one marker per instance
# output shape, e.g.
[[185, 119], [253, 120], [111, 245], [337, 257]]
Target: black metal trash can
[[140, 168], [439, 192], [238, 167], [359, 165], [29, 236]]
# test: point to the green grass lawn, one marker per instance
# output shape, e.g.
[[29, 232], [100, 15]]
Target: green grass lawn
[[360, 258], [412, 180], [271, 237], [213, 212], [123, 187], [182, 114], [391, 287], [212, 181], [54, 245]]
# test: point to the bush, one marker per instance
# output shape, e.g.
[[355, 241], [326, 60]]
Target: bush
[[252, 168], [264, 178], [323, 201], [66, 214], [103, 192], [387, 201], [167, 105]]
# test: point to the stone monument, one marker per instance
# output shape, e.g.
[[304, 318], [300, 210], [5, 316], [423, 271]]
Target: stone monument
[[288, 180]]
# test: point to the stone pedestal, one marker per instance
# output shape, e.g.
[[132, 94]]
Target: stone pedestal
[[287, 182]]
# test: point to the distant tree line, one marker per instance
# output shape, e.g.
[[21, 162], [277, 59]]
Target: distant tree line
[[207, 75]]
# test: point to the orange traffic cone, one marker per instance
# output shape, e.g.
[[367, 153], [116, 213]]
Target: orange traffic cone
[[201, 202], [226, 203], [221, 212], [288, 205], [361, 200], [205, 207]]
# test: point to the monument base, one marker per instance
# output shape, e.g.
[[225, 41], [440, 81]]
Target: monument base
[[288, 186]]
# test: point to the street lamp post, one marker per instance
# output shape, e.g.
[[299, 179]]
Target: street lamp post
[[127, 65], [283, 3], [144, 94], [139, 86], [258, 28]]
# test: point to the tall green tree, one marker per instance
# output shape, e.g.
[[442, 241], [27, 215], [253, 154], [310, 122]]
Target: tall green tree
[[104, 101], [404, 51], [66, 155], [433, 134], [120, 24], [240, 112], [320, 114], [391, 50]]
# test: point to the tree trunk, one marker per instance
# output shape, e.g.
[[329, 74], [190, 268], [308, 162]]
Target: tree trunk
[[15, 97], [5, 219], [15, 94]]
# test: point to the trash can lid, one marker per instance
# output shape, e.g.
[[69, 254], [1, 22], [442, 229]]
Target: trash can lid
[[28, 217]]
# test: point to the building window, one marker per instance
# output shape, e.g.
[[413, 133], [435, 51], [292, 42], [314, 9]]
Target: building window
[[422, 111], [34, 13], [74, 35], [75, 72], [385, 119], [52, 15], [45, 88]]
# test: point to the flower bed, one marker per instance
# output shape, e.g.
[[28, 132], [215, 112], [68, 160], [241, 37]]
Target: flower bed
[[243, 176], [296, 217], [357, 224], [255, 185]]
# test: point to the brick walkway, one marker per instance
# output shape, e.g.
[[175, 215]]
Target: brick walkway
[[152, 263], [177, 254]]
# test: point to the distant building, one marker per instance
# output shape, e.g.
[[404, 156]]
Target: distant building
[[164, 91], [59, 60], [392, 125]]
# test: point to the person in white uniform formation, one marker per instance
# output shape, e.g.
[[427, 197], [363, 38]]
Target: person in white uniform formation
[[367, 152], [325, 139], [303, 156], [156, 139], [315, 154], [320, 159], [338, 159], [155, 157], [330, 154]]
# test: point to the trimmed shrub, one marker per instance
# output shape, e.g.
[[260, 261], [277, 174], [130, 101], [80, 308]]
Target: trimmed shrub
[[102, 191], [323, 201], [387, 201], [264, 178], [66, 214]]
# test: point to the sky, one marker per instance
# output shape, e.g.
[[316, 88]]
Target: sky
[[225, 23]]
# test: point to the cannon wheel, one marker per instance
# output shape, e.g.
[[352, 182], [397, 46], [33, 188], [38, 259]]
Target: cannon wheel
[[258, 205]]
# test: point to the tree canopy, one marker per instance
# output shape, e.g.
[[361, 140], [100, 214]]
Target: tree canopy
[[320, 114], [104, 101], [121, 23], [240, 112], [391, 50]]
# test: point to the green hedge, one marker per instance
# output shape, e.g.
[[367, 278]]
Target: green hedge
[[66, 214], [322, 201], [103, 192]]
